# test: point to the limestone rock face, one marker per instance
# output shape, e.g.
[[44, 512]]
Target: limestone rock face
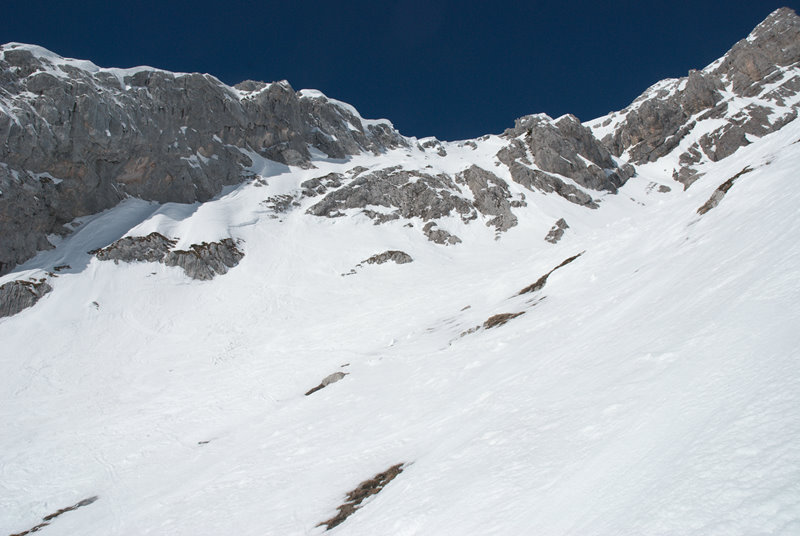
[[761, 68], [17, 296], [75, 139], [492, 196], [403, 193], [151, 248], [557, 231], [206, 260], [542, 152], [201, 261], [398, 257]]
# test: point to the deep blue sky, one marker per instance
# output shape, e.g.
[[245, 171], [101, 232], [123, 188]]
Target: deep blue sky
[[445, 68]]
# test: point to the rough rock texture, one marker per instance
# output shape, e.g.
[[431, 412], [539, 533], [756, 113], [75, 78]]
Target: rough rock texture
[[720, 192], [331, 378], [407, 194], [500, 319], [364, 490], [202, 261], [758, 67], [439, 236], [557, 231], [542, 281], [535, 179], [206, 260], [18, 295], [76, 139], [398, 257], [151, 248], [491, 196], [561, 147]]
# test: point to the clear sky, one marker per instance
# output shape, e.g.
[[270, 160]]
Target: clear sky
[[450, 69]]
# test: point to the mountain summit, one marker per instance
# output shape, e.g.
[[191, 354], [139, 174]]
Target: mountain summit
[[249, 310]]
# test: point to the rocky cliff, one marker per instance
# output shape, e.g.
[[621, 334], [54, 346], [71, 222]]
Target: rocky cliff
[[75, 139]]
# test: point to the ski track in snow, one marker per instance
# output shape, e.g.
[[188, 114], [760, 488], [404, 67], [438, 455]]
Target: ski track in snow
[[654, 389]]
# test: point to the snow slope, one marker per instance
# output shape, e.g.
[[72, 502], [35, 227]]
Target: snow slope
[[651, 387]]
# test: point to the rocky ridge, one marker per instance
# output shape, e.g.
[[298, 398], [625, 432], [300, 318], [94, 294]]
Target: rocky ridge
[[77, 139], [754, 89]]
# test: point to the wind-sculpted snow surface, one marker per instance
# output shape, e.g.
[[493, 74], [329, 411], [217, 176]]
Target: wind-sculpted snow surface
[[636, 373]]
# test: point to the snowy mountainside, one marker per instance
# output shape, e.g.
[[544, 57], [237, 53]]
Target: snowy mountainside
[[526, 333]]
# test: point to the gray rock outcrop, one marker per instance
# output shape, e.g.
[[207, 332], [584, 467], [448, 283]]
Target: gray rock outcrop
[[201, 261], [407, 194], [541, 151], [75, 139], [151, 248], [329, 379], [720, 192], [439, 236], [206, 260], [398, 257], [659, 120], [17, 296], [491, 194], [557, 231]]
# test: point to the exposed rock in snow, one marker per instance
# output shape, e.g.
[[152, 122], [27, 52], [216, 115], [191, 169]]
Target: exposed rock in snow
[[491, 196], [202, 261], [439, 236], [364, 490], [151, 248], [18, 295], [557, 231], [206, 260], [408, 194], [331, 378], [398, 257], [540, 283], [720, 192]]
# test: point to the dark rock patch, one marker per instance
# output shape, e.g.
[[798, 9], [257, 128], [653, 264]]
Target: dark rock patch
[[202, 261], [332, 378], [398, 257], [151, 248], [500, 319], [408, 194], [535, 179], [206, 260], [542, 281], [439, 236], [364, 490], [16, 296], [321, 185], [491, 196], [46, 520], [720, 192], [280, 204], [557, 231]]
